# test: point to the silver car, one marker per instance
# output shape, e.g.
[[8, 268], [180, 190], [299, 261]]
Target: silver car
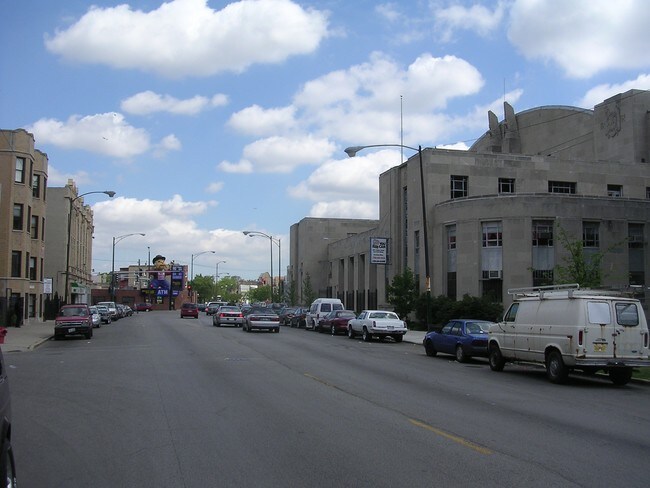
[[96, 317]]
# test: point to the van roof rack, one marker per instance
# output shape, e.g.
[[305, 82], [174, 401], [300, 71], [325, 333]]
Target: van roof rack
[[539, 291]]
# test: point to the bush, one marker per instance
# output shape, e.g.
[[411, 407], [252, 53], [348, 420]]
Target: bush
[[443, 309]]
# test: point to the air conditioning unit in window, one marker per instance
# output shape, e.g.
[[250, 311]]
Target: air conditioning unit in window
[[493, 274]]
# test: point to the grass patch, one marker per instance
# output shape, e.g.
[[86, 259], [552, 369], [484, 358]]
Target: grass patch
[[641, 373]]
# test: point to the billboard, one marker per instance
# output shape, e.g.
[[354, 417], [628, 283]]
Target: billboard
[[379, 250]]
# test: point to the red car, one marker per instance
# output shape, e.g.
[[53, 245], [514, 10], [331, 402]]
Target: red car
[[73, 320], [190, 310], [143, 307], [336, 321]]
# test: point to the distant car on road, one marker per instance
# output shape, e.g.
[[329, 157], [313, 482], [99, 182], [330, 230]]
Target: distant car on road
[[190, 310], [337, 321], [104, 313], [377, 323], [462, 338], [228, 315], [73, 320], [143, 307], [262, 318], [96, 317], [299, 318]]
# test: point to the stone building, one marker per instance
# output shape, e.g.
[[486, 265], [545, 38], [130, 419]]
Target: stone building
[[493, 213], [23, 180]]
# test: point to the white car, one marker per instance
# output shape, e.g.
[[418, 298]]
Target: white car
[[95, 315], [379, 323]]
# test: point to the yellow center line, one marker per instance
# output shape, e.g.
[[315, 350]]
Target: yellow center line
[[451, 437]]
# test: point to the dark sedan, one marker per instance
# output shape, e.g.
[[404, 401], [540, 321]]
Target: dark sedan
[[336, 321], [462, 338], [299, 318]]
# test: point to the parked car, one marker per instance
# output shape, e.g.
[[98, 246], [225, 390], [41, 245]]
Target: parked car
[[462, 338], [228, 315], [95, 316], [318, 309], [380, 323], [337, 321], [128, 311], [7, 463], [190, 310], [143, 307], [202, 307], [112, 308], [285, 314], [104, 313], [299, 318], [262, 318], [73, 320]]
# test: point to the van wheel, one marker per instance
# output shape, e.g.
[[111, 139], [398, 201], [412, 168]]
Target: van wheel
[[460, 354], [496, 359], [556, 371], [620, 376]]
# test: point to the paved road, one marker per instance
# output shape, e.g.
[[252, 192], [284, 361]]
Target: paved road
[[158, 401]]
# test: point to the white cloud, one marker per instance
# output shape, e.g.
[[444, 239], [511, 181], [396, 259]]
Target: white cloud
[[583, 37], [57, 178], [257, 121], [241, 167], [344, 209], [107, 133], [477, 18], [188, 38], [283, 154], [214, 187], [166, 144], [148, 102], [600, 93]]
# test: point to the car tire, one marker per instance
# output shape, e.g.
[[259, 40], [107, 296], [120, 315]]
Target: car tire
[[366, 336], [620, 376], [460, 354], [495, 358], [556, 371], [351, 333], [429, 349], [8, 468], [333, 330]]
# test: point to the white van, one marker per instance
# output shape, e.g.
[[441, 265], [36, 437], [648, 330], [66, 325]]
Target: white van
[[565, 328], [319, 308]]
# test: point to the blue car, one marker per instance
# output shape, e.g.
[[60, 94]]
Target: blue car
[[462, 338]]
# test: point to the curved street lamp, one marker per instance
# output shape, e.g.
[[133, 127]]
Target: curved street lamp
[[192, 262], [352, 151], [272, 240], [111, 194], [115, 241]]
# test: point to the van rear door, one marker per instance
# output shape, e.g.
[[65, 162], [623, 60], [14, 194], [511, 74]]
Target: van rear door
[[630, 328]]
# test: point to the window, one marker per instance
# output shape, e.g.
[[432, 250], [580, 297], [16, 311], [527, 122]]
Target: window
[[451, 237], [506, 185], [16, 257], [492, 234], [458, 186], [542, 233], [635, 236], [635, 244], [561, 187], [43, 229], [33, 228], [19, 175], [647, 192], [590, 234], [18, 216], [36, 186], [615, 191], [32, 268]]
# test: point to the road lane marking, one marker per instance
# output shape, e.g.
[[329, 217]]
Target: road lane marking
[[451, 437]]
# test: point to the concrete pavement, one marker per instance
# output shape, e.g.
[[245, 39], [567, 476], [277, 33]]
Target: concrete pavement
[[30, 336]]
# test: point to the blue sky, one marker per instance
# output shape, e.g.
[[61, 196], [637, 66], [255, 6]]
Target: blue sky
[[209, 118]]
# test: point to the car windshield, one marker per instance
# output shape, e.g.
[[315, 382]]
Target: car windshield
[[383, 315], [262, 311], [74, 312], [346, 314], [228, 309]]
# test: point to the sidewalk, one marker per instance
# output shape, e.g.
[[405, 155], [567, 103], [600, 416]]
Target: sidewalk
[[27, 337]]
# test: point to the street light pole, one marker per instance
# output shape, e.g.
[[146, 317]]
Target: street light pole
[[115, 241], [253, 233], [111, 194], [352, 151], [192, 262], [216, 277]]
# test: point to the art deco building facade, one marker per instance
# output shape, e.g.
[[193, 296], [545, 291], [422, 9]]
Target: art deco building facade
[[23, 180], [494, 213]]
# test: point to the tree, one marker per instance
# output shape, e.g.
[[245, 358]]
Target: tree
[[307, 291], [291, 292], [203, 287], [579, 267], [402, 293], [259, 294]]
